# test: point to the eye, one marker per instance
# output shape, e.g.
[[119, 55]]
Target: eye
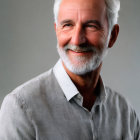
[[92, 26], [67, 25]]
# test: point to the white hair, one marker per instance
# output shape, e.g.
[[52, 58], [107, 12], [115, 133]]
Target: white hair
[[113, 7]]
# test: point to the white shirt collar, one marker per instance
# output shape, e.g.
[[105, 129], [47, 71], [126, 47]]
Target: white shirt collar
[[64, 81]]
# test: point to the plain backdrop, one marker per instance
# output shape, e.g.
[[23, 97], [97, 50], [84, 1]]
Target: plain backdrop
[[28, 47]]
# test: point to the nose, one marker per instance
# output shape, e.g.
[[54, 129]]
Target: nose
[[78, 36]]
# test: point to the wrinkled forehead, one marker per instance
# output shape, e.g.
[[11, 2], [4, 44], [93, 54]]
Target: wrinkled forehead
[[82, 8], [82, 4]]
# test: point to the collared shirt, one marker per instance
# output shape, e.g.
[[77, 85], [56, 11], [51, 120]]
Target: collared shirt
[[49, 107], [70, 90]]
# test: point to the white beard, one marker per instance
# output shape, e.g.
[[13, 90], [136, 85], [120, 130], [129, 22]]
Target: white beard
[[83, 64]]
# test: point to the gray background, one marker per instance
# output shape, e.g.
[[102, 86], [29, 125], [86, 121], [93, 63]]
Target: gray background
[[28, 47]]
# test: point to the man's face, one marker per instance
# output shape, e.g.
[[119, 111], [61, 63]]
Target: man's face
[[82, 34]]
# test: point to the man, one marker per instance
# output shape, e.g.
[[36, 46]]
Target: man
[[70, 102]]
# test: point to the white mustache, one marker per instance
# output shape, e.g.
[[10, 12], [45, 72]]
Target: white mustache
[[80, 48]]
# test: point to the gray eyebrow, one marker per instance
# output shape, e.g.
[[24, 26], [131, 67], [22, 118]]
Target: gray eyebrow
[[65, 21]]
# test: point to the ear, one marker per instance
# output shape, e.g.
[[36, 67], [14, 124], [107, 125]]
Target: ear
[[114, 35]]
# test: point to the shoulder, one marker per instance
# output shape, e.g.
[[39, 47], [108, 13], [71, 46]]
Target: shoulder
[[34, 85], [25, 94], [21, 105], [113, 97], [118, 102], [123, 107]]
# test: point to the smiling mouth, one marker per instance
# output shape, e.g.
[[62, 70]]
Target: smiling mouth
[[78, 52], [81, 50]]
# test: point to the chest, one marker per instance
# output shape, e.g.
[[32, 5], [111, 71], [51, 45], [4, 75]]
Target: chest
[[69, 121]]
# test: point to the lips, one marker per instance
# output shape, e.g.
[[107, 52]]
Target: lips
[[79, 50], [79, 53]]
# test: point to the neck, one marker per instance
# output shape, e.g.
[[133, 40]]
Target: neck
[[86, 82]]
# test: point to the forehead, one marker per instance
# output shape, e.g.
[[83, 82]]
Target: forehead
[[83, 3], [82, 8]]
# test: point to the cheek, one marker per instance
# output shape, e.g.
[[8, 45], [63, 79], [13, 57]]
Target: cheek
[[98, 40], [63, 38]]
